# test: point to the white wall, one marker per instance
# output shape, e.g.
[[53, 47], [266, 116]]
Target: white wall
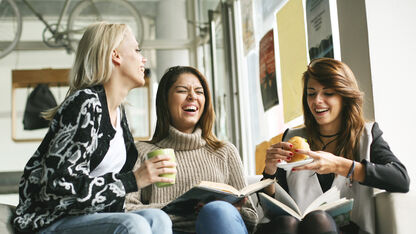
[[353, 38], [392, 44], [15, 155]]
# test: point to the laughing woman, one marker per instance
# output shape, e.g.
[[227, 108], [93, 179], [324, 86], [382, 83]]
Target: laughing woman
[[185, 117], [348, 153]]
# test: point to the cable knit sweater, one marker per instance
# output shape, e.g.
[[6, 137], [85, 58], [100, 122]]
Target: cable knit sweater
[[196, 161]]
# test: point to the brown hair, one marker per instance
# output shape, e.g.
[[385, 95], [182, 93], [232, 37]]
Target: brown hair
[[207, 119], [336, 75]]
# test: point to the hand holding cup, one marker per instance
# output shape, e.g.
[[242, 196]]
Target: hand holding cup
[[171, 153], [160, 168]]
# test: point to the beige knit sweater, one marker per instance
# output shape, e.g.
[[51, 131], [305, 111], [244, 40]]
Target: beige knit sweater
[[196, 161]]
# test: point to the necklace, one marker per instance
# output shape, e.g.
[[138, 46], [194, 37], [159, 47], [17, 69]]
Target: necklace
[[328, 136], [329, 142]]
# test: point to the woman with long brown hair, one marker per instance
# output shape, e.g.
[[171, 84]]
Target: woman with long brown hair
[[347, 152], [185, 117]]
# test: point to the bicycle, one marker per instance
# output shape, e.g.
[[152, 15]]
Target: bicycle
[[82, 14]]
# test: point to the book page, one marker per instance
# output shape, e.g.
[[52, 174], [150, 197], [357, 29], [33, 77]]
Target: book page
[[329, 196], [338, 207], [230, 189], [186, 203], [274, 208], [256, 186], [284, 197], [219, 186]]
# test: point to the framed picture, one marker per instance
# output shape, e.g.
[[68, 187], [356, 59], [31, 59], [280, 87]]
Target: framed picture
[[247, 25], [23, 83], [267, 69], [318, 20]]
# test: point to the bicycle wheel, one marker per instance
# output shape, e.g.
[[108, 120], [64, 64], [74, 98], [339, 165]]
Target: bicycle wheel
[[10, 26], [113, 11]]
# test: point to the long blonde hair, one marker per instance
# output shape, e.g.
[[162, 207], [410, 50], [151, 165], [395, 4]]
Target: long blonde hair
[[336, 75], [93, 64]]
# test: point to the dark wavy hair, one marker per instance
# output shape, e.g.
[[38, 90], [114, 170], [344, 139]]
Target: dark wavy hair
[[336, 75], [207, 119]]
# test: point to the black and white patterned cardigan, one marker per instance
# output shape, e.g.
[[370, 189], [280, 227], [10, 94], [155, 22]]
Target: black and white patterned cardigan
[[56, 181]]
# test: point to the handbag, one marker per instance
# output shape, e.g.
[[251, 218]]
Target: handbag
[[39, 100]]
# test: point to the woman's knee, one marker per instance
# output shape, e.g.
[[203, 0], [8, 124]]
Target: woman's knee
[[319, 217], [280, 224], [158, 220], [318, 221], [220, 217], [133, 223], [155, 216], [126, 223], [218, 209]]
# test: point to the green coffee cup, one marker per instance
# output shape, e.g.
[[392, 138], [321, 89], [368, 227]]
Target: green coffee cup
[[170, 152]]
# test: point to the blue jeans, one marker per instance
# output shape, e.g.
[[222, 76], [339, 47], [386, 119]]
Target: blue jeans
[[145, 221], [220, 217]]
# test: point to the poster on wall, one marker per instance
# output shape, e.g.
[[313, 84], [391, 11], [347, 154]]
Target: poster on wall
[[267, 69], [247, 25], [318, 20], [293, 56]]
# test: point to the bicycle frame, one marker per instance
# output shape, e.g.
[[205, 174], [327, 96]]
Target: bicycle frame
[[40, 17], [56, 34]]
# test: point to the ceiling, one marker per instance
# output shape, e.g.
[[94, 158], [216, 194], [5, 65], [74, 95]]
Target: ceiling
[[51, 8], [147, 8]]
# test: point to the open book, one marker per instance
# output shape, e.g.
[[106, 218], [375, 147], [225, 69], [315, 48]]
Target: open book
[[283, 204], [207, 191]]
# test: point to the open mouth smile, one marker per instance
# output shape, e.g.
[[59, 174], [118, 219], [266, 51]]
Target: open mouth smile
[[190, 108], [320, 110]]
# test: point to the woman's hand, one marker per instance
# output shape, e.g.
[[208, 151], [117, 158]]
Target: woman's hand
[[275, 154], [148, 173], [323, 162], [198, 207], [240, 203]]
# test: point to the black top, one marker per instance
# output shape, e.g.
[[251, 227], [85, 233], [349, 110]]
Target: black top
[[383, 171], [56, 181]]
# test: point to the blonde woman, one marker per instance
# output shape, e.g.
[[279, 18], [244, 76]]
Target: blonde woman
[[77, 179]]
